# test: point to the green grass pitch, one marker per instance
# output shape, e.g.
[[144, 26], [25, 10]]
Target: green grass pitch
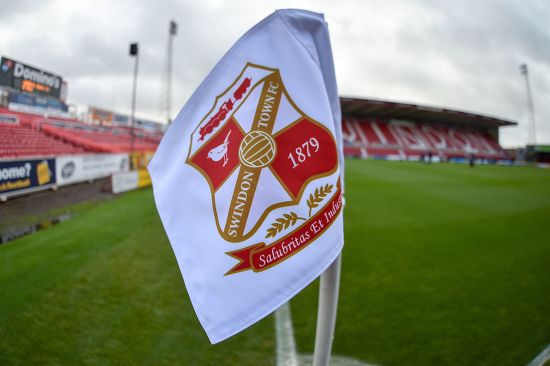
[[443, 265]]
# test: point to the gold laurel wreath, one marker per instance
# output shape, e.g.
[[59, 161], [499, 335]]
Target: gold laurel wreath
[[318, 195], [291, 218], [283, 223]]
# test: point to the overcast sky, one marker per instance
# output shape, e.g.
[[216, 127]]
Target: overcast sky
[[461, 55]]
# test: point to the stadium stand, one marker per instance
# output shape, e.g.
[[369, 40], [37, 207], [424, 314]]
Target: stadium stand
[[26, 134], [97, 138], [19, 139], [371, 128], [380, 129]]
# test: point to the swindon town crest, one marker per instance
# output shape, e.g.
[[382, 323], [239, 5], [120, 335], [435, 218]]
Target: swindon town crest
[[259, 153]]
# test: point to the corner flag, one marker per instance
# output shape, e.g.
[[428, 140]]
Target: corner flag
[[248, 178]]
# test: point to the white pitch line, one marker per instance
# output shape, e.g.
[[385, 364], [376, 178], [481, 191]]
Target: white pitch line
[[286, 347], [287, 355], [541, 358], [307, 360]]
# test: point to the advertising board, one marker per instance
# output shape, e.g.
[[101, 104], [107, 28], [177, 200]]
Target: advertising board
[[144, 179], [29, 79], [80, 168], [101, 116], [36, 101], [142, 158], [25, 175], [126, 181]]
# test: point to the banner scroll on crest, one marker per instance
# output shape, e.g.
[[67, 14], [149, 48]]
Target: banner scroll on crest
[[248, 178]]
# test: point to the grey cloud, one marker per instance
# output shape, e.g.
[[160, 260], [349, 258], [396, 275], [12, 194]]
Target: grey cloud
[[462, 55], [11, 9]]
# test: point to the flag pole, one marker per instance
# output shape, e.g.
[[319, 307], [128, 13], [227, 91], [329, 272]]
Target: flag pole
[[326, 313]]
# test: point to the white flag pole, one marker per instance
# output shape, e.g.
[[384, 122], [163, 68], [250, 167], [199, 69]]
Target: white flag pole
[[326, 313]]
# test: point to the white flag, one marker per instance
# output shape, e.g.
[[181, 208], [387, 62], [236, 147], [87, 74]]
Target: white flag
[[247, 180]]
